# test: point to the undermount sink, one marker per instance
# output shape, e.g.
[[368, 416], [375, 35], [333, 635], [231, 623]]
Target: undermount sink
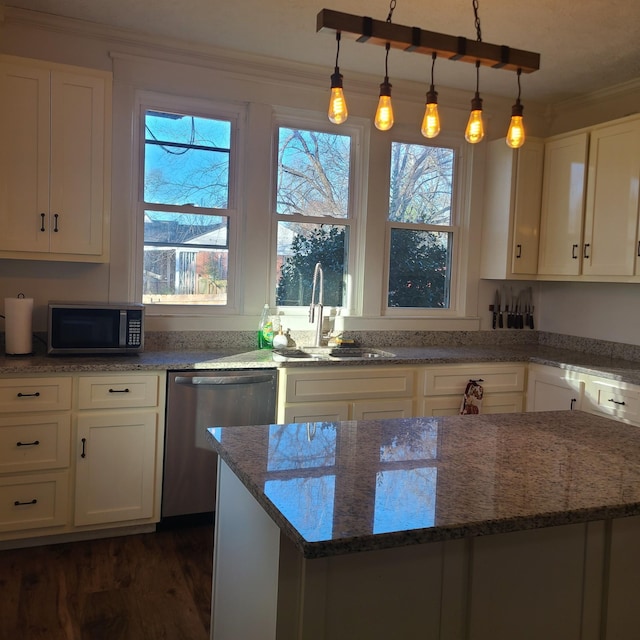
[[329, 353]]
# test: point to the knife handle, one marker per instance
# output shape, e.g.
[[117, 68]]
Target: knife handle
[[531, 321], [500, 320], [494, 320]]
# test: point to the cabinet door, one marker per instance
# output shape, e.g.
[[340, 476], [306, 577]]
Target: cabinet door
[[115, 466], [314, 412], [492, 403], [611, 217], [563, 197], [550, 390], [511, 215], [24, 157], [77, 163], [382, 409]]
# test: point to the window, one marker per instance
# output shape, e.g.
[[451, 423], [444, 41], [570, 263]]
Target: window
[[313, 209], [421, 226], [188, 205]]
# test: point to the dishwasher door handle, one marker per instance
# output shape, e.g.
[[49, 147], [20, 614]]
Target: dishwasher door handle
[[216, 380]]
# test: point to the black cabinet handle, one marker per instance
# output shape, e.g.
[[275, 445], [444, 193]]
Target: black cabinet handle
[[574, 255], [42, 217], [29, 395], [28, 444], [519, 251], [84, 453], [621, 403], [55, 223], [17, 503], [119, 391], [586, 253], [638, 248], [573, 401]]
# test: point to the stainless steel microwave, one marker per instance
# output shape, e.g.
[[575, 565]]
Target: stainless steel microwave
[[95, 328]]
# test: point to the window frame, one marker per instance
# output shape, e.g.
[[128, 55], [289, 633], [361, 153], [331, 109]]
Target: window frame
[[458, 228], [356, 210], [236, 115]]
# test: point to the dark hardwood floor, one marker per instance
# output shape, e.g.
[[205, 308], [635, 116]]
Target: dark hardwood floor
[[154, 586]]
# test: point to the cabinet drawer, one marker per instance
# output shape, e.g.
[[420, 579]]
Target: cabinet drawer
[[117, 392], [613, 399], [41, 501], [35, 442], [493, 403], [349, 384], [452, 380], [34, 394]]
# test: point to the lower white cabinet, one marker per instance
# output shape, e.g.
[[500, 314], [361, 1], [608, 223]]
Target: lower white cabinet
[[329, 394], [612, 398], [115, 467], [81, 452], [443, 387], [553, 389]]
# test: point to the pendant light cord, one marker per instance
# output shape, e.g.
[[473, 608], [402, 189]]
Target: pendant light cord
[[337, 49]]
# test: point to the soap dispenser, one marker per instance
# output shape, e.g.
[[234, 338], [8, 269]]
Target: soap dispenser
[[265, 329]]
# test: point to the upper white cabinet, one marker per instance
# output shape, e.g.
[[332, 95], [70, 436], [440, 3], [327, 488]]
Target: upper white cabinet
[[563, 197], [513, 186], [611, 216], [55, 157]]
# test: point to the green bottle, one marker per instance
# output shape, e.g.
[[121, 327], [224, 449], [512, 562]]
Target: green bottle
[[265, 329]]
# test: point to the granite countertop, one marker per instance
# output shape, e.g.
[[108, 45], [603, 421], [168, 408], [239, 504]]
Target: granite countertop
[[181, 359], [344, 487]]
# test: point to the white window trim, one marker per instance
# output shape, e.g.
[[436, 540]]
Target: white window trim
[[236, 114]]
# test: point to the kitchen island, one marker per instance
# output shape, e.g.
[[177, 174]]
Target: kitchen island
[[510, 526]]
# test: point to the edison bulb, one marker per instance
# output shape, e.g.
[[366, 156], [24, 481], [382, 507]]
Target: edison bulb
[[475, 127], [338, 112], [515, 136], [384, 114], [431, 122]]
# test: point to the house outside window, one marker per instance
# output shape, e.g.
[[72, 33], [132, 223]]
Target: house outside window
[[188, 208]]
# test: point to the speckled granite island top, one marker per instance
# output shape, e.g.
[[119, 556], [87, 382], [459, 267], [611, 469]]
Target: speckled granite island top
[[343, 487]]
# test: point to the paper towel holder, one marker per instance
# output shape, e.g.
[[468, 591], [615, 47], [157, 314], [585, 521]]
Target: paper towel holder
[[18, 335]]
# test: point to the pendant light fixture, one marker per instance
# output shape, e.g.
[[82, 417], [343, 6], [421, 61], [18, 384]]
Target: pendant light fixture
[[516, 136], [338, 112], [475, 127], [416, 40], [384, 112], [431, 121]]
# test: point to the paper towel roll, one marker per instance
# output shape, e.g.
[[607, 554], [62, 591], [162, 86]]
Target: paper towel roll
[[18, 317]]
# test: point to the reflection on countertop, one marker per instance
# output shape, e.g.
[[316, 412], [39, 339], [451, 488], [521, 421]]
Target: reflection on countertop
[[358, 485]]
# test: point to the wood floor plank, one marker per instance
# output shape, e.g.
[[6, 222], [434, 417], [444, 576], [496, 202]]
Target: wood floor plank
[[153, 586]]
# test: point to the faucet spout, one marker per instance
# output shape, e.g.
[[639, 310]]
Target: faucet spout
[[316, 308]]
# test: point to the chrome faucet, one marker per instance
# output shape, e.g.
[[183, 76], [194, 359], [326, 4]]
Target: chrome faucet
[[315, 309]]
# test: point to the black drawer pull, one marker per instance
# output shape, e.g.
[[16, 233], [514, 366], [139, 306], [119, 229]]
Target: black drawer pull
[[17, 503], [42, 217], [119, 391], [574, 255], [29, 395], [27, 444], [519, 252], [573, 401], [622, 403], [586, 250], [84, 453], [55, 223]]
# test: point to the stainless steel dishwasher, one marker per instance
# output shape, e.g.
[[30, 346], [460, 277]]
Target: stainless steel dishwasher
[[197, 400]]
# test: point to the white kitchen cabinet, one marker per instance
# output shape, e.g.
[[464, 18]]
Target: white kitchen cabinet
[[55, 157], [118, 449], [611, 217], [553, 389], [345, 393], [35, 442], [612, 398], [563, 201], [443, 386], [511, 218]]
